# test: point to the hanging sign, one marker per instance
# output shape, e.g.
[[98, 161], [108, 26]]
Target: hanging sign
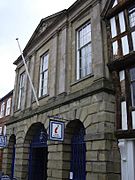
[[3, 141], [56, 130]]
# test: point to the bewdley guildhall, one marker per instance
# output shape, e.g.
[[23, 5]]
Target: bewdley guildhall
[[81, 63]]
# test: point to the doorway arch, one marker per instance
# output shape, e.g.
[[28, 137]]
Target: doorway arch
[[38, 152]]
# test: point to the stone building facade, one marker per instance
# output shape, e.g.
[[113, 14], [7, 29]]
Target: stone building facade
[[67, 60]]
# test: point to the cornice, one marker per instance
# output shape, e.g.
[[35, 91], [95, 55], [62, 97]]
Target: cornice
[[102, 85]]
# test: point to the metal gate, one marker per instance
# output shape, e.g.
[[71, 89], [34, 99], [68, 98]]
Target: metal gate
[[78, 155], [38, 157]]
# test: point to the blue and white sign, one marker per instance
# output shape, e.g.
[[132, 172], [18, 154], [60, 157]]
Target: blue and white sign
[[56, 130], [3, 141]]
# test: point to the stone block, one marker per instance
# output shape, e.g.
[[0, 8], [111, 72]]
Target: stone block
[[88, 166], [92, 176], [107, 106], [99, 145], [97, 98], [88, 120], [52, 148], [93, 129], [93, 108], [92, 155], [103, 177], [99, 167], [88, 146]]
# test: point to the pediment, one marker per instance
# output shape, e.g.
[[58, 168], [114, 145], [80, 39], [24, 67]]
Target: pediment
[[44, 25]]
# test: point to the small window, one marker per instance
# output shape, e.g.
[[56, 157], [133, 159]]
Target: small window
[[84, 62], [43, 86], [132, 79], [21, 90], [8, 107], [2, 111]]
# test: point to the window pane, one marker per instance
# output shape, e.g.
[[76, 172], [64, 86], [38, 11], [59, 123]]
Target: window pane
[[132, 74], [84, 35], [44, 63], [125, 45], [113, 27], [82, 68], [115, 48], [85, 67], [122, 22], [2, 109], [133, 40], [88, 60], [132, 78], [43, 75], [45, 83], [21, 90], [124, 115], [8, 107], [133, 93], [132, 17], [84, 51]]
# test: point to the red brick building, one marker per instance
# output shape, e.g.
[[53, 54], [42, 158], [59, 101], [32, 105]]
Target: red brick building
[[5, 111]]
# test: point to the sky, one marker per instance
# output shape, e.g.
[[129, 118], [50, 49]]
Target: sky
[[19, 19]]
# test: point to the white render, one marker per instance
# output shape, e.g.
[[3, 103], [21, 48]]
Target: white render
[[127, 153]]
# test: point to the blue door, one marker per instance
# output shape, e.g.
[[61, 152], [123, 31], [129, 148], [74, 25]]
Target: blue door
[[13, 162], [38, 157], [78, 155]]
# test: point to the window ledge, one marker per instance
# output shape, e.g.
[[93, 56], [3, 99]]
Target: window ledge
[[82, 79], [42, 97]]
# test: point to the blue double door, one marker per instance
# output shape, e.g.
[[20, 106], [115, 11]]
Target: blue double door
[[38, 163], [78, 155], [38, 157]]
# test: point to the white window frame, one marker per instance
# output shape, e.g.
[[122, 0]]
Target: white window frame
[[84, 61], [43, 85], [21, 90], [8, 107]]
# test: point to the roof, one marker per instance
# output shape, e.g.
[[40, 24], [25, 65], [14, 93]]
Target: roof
[[7, 95]]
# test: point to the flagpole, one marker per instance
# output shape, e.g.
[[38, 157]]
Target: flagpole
[[27, 72]]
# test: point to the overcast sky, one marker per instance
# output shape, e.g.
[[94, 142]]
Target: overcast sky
[[19, 19]]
